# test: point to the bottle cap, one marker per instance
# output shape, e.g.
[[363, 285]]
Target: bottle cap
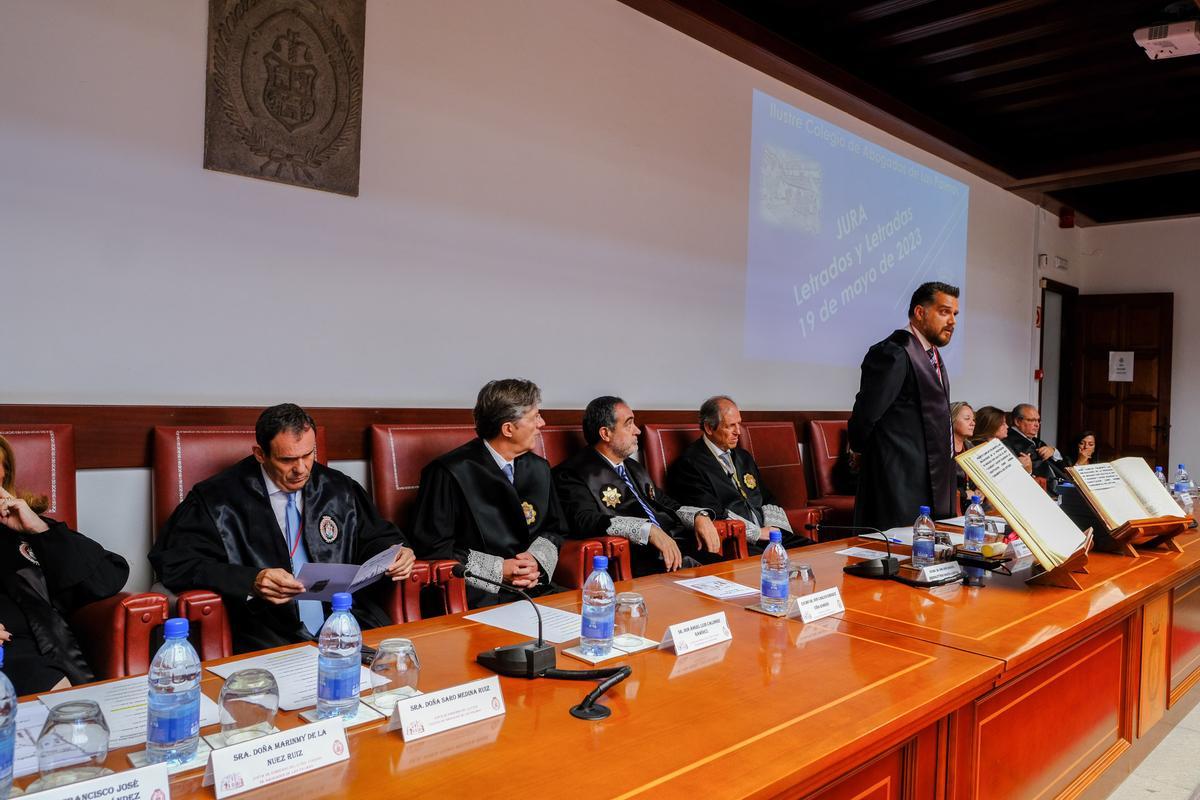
[[924, 511], [776, 536], [600, 563], [175, 628], [342, 601], [976, 499], [1181, 466]]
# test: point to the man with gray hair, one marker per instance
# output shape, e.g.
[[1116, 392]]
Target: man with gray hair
[[1023, 439], [715, 473], [491, 503]]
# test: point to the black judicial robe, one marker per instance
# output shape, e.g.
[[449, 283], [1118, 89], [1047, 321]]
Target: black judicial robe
[[225, 532], [900, 426], [44, 578], [468, 511], [597, 502], [698, 479], [1020, 444]]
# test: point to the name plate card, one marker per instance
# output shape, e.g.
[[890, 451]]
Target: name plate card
[[819, 605], [241, 767], [1020, 549], [434, 712], [941, 571], [147, 783], [695, 634]]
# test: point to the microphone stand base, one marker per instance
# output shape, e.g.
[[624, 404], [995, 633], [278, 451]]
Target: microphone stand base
[[527, 660], [593, 712]]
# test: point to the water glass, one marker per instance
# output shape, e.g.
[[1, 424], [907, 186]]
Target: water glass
[[72, 746], [249, 701], [801, 580], [629, 620], [395, 671]]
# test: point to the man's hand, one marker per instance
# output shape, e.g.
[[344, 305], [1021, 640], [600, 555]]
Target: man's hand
[[16, 515], [706, 535], [764, 534], [522, 571], [277, 585], [1026, 462], [854, 460], [5, 636], [660, 541], [1045, 452], [402, 564]]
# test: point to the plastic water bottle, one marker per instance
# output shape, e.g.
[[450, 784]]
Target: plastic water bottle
[[339, 655], [173, 716], [775, 573], [599, 605], [1183, 481], [974, 526], [924, 537], [8, 727], [1162, 476]]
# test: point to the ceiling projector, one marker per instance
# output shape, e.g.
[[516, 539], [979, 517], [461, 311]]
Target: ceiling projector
[[1170, 40]]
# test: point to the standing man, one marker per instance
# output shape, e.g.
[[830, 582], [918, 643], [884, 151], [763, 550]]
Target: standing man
[[1023, 439], [900, 431]]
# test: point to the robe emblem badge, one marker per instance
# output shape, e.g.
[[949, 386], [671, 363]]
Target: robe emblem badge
[[26, 550], [610, 496], [328, 529], [749, 481], [530, 512]]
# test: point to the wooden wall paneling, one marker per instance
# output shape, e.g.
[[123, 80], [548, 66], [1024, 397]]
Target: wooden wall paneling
[[1185, 639], [1153, 684], [910, 771]]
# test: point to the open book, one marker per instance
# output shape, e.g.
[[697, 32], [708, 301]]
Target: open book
[[1124, 490], [1049, 533]]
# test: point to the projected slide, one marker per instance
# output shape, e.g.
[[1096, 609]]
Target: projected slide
[[841, 232]]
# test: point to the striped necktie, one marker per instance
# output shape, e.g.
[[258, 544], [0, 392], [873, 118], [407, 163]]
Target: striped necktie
[[645, 506]]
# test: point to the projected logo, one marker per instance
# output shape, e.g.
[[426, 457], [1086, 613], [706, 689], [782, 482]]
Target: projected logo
[[790, 190]]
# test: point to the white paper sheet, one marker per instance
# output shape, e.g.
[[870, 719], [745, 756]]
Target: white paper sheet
[[904, 536], [124, 705], [866, 552], [559, 626], [31, 715], [295, 671], [322, 581], [961, 522], [718, 587]]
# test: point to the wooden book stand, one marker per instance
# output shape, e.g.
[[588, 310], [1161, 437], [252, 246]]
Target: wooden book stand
[[1061, 576], [1148, 533]]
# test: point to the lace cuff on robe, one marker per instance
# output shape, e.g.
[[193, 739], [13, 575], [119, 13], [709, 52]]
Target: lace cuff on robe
[[775, 517], [635, 529], [487, 565], [545, 553]]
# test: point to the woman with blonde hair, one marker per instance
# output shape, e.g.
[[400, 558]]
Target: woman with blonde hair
[[992, 423]]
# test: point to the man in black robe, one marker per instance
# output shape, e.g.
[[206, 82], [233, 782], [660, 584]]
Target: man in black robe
[[1023, 439], [244, 532], [604, 492], [713, 472], [900, 427], [490, 503]]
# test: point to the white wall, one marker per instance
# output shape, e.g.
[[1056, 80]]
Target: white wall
[[1157, 257], [570, 169]]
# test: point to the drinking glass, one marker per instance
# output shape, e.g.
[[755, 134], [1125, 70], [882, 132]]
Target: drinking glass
[[395, 671], [801, 580], [249, 701], [72, 746], [629, 620]]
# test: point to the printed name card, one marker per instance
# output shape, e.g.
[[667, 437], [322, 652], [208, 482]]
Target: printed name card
[[1020, 549], [942, 571], [147, 783], [434, 712], [819, 605], [687, 637], [277, 756]]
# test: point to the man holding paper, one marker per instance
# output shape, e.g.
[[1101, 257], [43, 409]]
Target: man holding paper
[[245, 532]]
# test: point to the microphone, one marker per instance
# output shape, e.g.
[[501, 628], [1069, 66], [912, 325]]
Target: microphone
[[525, 660], [872, 567]]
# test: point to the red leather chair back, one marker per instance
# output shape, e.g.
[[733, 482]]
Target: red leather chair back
[[557, 443], [827, 440], [45, 456], [662, 443], [398, 454], [771, 443], [185, 455]]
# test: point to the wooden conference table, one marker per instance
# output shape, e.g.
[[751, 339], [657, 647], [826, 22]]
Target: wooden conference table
[[1005, 691]]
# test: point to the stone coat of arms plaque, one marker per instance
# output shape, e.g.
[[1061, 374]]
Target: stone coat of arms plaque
[[284, 93]]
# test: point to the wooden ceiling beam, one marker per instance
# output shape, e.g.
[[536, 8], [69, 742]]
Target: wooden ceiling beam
[[958, 21], [1111, 171]]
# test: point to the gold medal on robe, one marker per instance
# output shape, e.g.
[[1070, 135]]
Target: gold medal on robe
[[530, 512], [749, 481], [610, 496]]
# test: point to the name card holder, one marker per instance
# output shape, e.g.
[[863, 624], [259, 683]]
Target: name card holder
[[819, 605], [696, 634], [145, 783], [268, 759], [434, 712]]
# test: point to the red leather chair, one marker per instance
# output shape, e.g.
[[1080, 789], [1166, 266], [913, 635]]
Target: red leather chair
[[115, 633], [662, 443], [775, 450], [827, 440]]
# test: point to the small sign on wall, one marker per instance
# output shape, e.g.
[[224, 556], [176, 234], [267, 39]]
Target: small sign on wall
[[1120, 366]]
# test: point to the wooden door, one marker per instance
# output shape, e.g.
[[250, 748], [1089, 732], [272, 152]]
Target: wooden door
[[1129, 418]]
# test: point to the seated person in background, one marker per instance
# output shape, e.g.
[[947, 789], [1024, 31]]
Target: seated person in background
[[604, 492], [47, 571], [962, 420], [244, 532], [1023, 439], [491, 503], [715, 473], [1083, 449], [992, 423]]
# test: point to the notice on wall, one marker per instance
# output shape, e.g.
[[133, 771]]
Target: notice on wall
[[1120, 366]]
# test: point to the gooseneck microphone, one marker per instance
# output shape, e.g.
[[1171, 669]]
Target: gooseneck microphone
[[525, 660], [872, 567]]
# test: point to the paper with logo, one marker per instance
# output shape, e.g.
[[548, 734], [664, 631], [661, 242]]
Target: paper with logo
[[147, 783], [295, 671], [558, 626], [322, 581], [276, 757], [687, 637], [820, 604], [443, 710], [124, 704], [718, 587]]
